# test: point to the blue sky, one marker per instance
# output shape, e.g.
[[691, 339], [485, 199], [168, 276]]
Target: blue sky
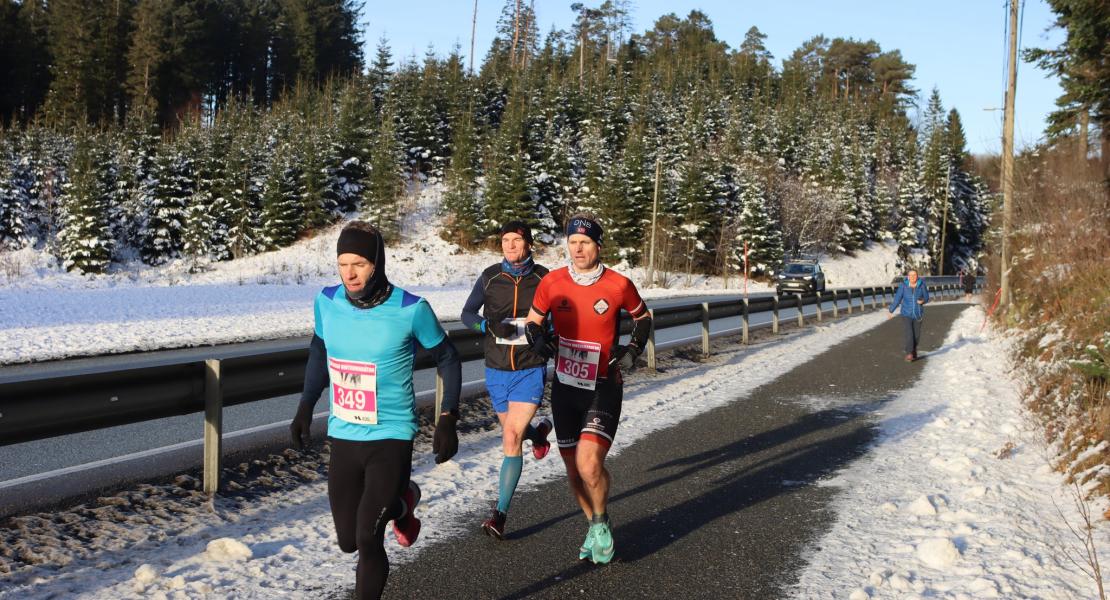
[[957, 46]]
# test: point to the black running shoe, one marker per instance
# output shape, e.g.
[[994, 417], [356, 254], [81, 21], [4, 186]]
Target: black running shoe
[[494, 526]]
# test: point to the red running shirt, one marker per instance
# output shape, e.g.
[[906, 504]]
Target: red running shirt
[[589, 313]]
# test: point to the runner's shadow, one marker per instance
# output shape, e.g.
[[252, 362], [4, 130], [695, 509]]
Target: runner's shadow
[[806, 424]]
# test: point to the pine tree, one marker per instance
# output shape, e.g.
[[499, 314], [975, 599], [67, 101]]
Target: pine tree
[[462, 205], [16, 193], [351, 144], [166, 196], [756, 229], [508, 196], [386, 181], [84, 243], [282, 209]]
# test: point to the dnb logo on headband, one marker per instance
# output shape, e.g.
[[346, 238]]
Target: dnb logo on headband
[[585, 227]]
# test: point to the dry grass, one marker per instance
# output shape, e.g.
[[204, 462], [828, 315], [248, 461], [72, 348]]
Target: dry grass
[[1060, 282]]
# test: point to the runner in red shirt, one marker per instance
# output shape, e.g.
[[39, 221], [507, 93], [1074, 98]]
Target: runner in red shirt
[[584, 300]]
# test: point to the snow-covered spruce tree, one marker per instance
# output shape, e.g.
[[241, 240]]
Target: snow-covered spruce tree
[[240, 180], [354, 132], [16, 194], [51, 153], [910, 219], [201, 207], [755, 228], [282, 208], [317, 168], [508, 196], [555, 175], [85, 241], [140, 139], [161, 237], [462, 206], [386, 182]]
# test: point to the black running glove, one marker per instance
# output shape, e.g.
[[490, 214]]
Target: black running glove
[[498, 328], [542, 342], [623, 357], [299, 428], [445, 441]]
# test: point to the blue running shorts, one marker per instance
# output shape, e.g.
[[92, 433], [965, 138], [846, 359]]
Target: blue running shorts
[[515, 386]]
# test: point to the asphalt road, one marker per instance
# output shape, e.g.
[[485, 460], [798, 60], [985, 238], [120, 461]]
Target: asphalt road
[[718, 506]]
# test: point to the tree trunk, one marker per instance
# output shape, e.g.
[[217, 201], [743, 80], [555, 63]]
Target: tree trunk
[[1084, 124], [516, 34]]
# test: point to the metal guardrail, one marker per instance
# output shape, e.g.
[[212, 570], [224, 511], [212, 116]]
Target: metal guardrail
[[33, 408]]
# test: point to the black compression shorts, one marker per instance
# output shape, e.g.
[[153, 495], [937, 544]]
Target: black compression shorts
[[588, 414]]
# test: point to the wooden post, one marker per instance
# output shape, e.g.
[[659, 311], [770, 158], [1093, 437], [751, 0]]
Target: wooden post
[[213, 425], [874, 299], [820, 315], [654, 210], [775, 313], [836, 304], [849, 292], [801, 317], [1008, 157], [705, 330], [651, 342], [745, 324]]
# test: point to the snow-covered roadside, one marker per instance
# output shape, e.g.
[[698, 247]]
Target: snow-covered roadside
[[957, 498], [159, 552], [48, 314]]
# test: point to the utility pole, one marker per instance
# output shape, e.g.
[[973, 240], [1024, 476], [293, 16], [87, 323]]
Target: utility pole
[[473, 29], [944, 220], [1008, 157], [654, 211]]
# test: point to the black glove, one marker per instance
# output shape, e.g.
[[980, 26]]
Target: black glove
[[623, 357], [445, 440], [542, 342], [302, 423], [497, 327]]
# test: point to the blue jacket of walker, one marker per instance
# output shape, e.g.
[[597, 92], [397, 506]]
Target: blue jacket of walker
[[906, 299]]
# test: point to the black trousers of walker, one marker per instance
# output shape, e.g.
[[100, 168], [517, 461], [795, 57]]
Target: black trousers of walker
[[365, 483]]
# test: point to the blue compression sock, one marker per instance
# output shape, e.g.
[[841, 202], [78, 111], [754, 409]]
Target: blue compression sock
[[511, 467]]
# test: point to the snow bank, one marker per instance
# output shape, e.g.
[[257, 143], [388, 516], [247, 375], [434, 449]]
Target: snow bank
[[957, 498]]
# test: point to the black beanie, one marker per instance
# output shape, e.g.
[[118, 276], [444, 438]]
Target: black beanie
[[518, 227], [366, 244], [371, 246], [584, 226]]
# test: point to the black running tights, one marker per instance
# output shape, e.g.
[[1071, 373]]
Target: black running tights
[[365, 483]]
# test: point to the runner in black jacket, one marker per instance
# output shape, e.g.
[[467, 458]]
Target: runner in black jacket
[[514, 372]]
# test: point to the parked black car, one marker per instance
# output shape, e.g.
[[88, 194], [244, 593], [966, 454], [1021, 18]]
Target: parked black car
[[803, 276]]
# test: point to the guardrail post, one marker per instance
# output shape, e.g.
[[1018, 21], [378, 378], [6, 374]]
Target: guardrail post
[[820, 316], [705, 330], [801, 317], [439, 398], [874, 300], [775, 313], [213, 424], [651, 342], [836, 304], [862, 306], [744, 321], [849, 291]]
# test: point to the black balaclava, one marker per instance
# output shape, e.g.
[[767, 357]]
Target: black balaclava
[[371, 246]]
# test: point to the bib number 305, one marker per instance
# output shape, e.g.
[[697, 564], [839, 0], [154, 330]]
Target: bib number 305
[[354, 395], [577, 363]]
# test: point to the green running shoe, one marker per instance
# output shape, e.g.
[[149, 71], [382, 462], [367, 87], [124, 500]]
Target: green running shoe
[[603, 545], [587, 550]]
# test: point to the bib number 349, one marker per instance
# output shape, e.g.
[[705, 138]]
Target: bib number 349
[[577, 363], [354, 396]]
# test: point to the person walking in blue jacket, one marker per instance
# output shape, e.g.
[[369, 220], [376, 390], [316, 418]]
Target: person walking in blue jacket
[[910, 301]]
